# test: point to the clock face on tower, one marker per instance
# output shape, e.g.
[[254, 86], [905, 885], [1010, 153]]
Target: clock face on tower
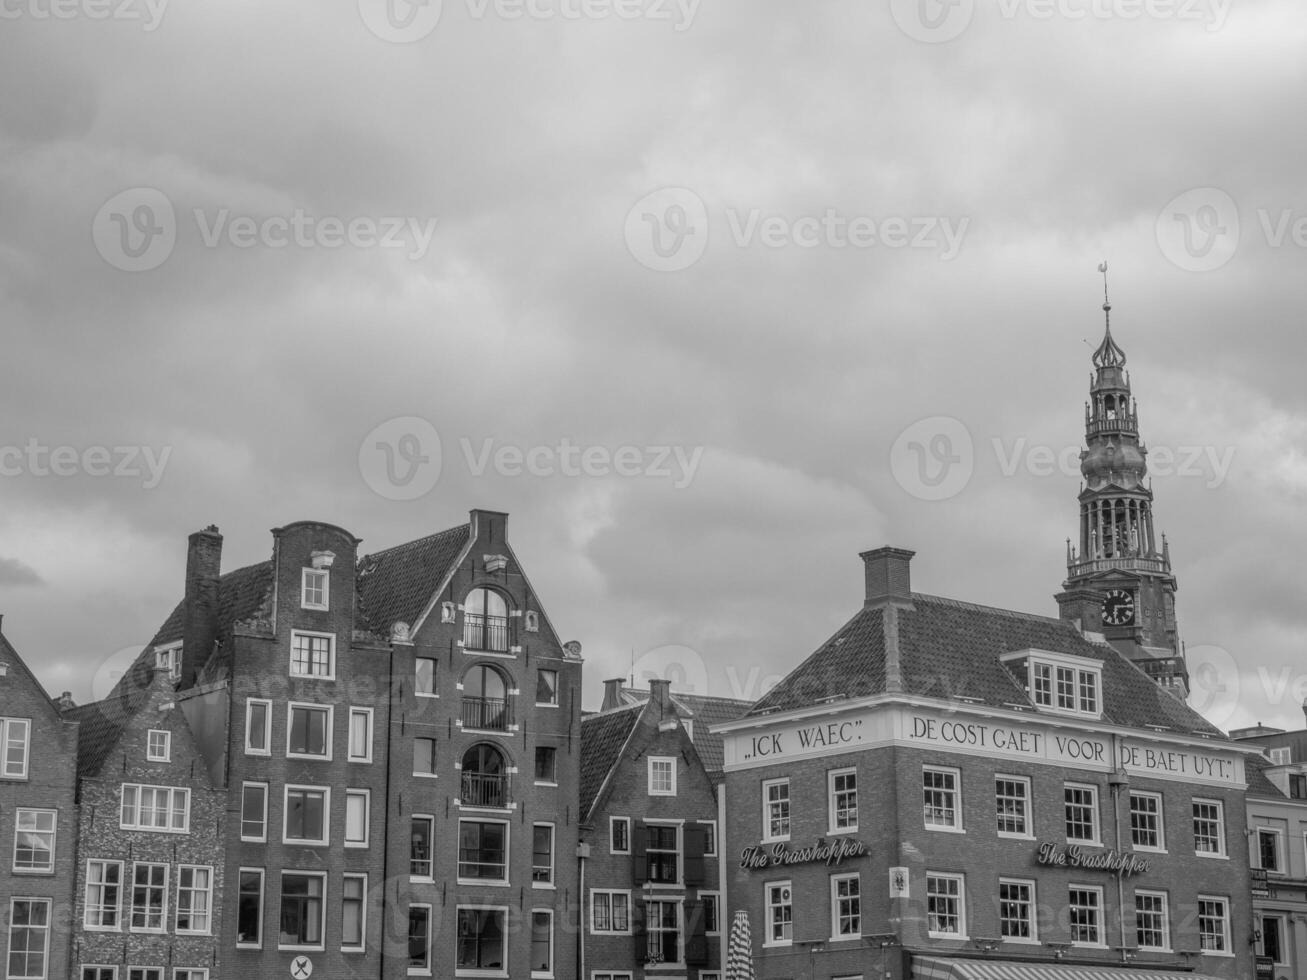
[[1119, 608]]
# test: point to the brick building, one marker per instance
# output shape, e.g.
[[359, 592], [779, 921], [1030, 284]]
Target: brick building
[[38, 825]]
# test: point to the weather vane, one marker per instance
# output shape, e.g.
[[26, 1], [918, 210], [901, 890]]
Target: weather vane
[[1102, 267]]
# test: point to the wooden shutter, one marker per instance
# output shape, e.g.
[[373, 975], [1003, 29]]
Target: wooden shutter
[[639, 932], [639, 841], [696, 942], [695, 840]]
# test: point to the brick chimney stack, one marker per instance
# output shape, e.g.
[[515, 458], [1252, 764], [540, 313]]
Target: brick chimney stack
[[200, 612], [660, 692], [888, 577], [613, 694], [1084, 607]]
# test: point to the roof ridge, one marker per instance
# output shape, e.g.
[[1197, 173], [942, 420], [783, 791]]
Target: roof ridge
[[611, 711], [417, 541], [982, 607]]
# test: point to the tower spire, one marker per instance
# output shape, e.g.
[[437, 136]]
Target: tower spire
[[1109, 353]]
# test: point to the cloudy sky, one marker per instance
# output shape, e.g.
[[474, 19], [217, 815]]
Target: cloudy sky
[[709, 296]]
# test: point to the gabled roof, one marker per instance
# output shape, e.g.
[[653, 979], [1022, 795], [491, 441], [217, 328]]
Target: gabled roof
[[951, 649], [1259, 784], [9, 655], [102, 724], [395, 585], [704, 711], [603, 736]]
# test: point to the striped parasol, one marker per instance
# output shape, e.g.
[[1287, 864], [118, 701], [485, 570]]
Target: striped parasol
[[739, 949]]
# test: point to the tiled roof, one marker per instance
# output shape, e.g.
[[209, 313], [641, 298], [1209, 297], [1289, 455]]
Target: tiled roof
[[952, 649], [395, 585], [602, 738], [241, 594], [10, 656], [102, 723], [704, 712], [1259, 784]]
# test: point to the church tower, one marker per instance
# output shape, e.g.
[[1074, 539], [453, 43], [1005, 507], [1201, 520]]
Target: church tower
[[1117, 560]]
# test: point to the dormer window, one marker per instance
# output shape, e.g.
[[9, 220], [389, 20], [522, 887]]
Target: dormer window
[[315, 584], [1061, 683], [485, 621], [169, 658]]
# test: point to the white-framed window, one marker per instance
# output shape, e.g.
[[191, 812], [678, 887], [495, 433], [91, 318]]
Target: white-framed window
[[1209, 828], [845, 907], [158, 745], [483, 850], [308, 730], [1085, 913], [254, 812], [942, 798], [775, 809], [424, 677], [546, 687], [663, 933], [1080, 802], [1152, 921], [610, 912], [190, 973], [313, 655], [104, 895], [546, 768], [305, 813], [29, 939], [34, 840], [258, 726], [358, 802], [419, 940], [303, 910], [15, 736], [422, 838], [194, 899], [1016, 910], [249, 909], [315, 588], [1272, 941], [709, 837], [626, 975], [779, 897], [842, 800], [145, 973], [946, 908], [712, 923], [1068, 685], [482, 940], [424, 756], [99, 971], [1214, 925], [149, 910], [1280, 756], [1012, 803], [169, 658], [485, 621], [354, 913], [662, 776], [1270, 850], [662, 860], [542, 855], [158, 808], [360, 734], [542, 943], [1146, 830], [619, 835]]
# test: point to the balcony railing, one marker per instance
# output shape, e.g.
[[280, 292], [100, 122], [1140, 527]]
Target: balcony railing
[[1152, 563], [487, 714], [484, 789], [481, 632]]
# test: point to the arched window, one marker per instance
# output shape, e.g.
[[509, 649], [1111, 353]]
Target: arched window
[[485, 777], [485, 699], [485, 621]]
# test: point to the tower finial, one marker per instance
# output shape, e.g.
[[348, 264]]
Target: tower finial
[[1108, 353], [1107, 305]]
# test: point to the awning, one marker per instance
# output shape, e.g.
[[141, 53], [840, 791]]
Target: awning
[[944, 968]]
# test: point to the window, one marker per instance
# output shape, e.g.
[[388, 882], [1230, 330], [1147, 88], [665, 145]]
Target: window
[[662, 923], [709, 838], [249, 908], [662, 853], [419, 939], [149, 897], [846, 907], [842, 787], [1066, 687], [312, 655], [14, 736], [940, 789], [169, 658], [546, 764], [306, 814], [776, 809], [421, 839], [34, 832], [145, 973], [546, 686], [194, 899], [945, 909], [424, 756], [1081, 804], [1297, 786], [1272, 928], [1213, 925], [353, 911], [190, 974], [1281, 756], [158, 745], [29, 938], [485, 621], [308, 731], [662, 776], [1152, 928], [484, 777], [542, 943], [1016, 910], [780, 914], [610, 912], [482, 939], [314, 586], [485, 704], [424, 681], [302, 909], [1085, 907], [254, 811], [98, 972], [1146, 821], [711, 923], [483, 850], [1209, 828], [357, 803], [1268, 850], [360, 734], [619, 835], [627, 976], [542, 854], [1012, 801], [104, 881], [258, 727], [164, 808]]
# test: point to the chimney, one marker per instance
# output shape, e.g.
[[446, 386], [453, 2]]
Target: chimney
[[612, 694], [66, 701], [889, 581], [1083, 607], [200, 611], [660, 692]]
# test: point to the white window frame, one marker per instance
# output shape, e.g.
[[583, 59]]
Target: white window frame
[[366, 796], [1280, 756], [1027, 814], [362, 945], [961, 897], [549, 973], [144, 973], [1279, 848], [1097, 818], [553, 856], [1258, 923], [207, 892], [656, 762], [366, 713], [613, 821], [607, 895], [266, 703], [1227, 949], [538, 780], [431, 839], [1166, 919], [169, 657], [769, 892], [27, 811], [423, 774], [262, 838], [172, 792], [503, 932], [618, 975], [95, 923], [435, 671], [831, 811], [323, 575], [1159, 814], [328, 732], [330, 675], [716, 898], [163, 908], [153, 755], [835, 914], [681, 937], [508, 853], [263, 905], [1100, 920], [190, 973], [679, 827], [322, 914], [47, 929], [957, 826], [767, 804], [431, 959], [326, 816], [557, 678], [100, 969], [1081, 670], [711, 831], [7, 738], [1223, 852], [1032, 909]]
